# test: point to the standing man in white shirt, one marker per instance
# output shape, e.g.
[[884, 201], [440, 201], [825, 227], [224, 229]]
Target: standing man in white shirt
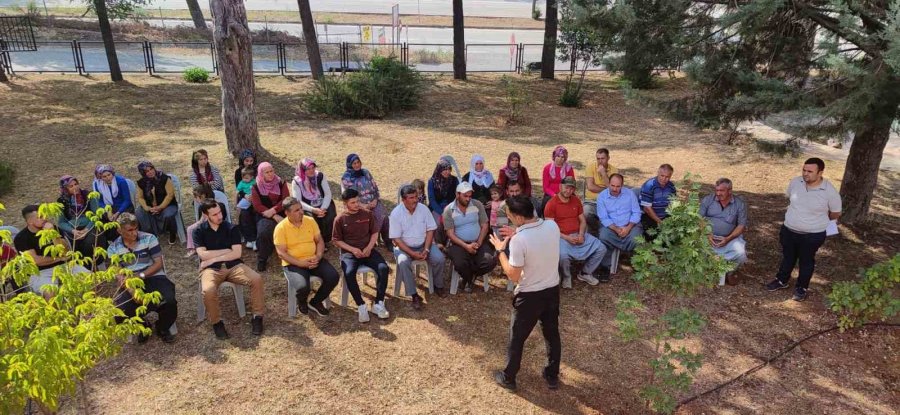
[[813, 203], [533, 263]]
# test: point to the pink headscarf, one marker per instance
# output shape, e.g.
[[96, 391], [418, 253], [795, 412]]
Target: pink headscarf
[[309, 187], [265, 188], [566, 167]]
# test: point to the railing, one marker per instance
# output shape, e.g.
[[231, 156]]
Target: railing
[[84, 57]]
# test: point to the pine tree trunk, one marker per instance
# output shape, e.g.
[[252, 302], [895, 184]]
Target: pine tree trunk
[[459, 42], [231, 36], [196, 14], [115, 72], [861, 171], [548, 57], [309, 37], [533, 8]]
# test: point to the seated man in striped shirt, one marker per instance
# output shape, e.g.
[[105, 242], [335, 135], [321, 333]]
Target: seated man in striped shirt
[[655, 195]]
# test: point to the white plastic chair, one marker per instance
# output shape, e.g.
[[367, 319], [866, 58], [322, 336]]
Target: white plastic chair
[[362, 270], [614, 261], [221, 198], [238, 291], [415, 265], [454, 281], [292, 295]]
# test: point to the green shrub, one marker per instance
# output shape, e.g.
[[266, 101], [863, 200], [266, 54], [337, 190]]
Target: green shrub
[[196, 75], [873, 297], [7, 175], [385, 86], [517, 98], [572, 93], [536, 14]]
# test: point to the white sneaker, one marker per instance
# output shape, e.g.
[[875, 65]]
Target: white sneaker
[[363, 314], [253, 245], [380, 310], [588, 278], [249, 245]]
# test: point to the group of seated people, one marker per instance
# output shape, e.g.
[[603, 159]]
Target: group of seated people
[[446, 217]]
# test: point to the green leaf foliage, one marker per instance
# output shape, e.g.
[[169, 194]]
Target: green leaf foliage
[[873, 297], [47, 345], [196, 75]]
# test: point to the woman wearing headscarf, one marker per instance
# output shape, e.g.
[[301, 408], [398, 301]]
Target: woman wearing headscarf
[[441, 192], [481, 180], [157, 201], [247, 158], [554, 172], [205, 173], [514, 171], [266, 197], [359, 179], [113, 190], [311, 188], [74, 224]]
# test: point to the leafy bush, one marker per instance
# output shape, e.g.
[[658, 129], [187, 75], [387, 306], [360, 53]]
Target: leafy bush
[[196, 75], [517, 98], [7, 175], [536, 14], [385, 86], [677, 263], [572, 93], [873, 297], [48, 346]]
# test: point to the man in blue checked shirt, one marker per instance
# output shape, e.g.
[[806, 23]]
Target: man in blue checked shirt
[[620, 215], [655, 195]]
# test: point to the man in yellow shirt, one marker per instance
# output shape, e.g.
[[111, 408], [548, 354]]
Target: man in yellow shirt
[[598, 172], [301, 248]]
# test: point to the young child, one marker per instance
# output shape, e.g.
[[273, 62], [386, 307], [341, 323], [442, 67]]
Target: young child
[[420, 186], [497, 203], [244, 188]]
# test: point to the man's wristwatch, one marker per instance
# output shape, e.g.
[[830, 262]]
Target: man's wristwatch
[[142, 275]]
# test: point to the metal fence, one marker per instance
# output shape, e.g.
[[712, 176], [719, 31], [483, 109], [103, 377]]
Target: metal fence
[[84, 57]]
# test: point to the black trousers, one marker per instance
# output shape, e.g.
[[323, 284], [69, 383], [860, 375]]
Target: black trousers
[[350, 264], [470, 266], [265, 242], [247, 222], [800, 247], [167, 309], [528, 309], [326, 223], [325, 271]]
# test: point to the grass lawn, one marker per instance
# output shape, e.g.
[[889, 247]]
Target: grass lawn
[[439, 360]]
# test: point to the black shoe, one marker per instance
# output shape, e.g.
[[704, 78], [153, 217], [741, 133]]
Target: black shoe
[[319, 308], [799, 294], [552, 381], [261, 266], [603, 274], [257, 325], [173, 237], [219, 329], [440, 292], [417, 302], [501, 380], [142, 338], [776, 285], [468, 288], [302, 305], [166, 336]]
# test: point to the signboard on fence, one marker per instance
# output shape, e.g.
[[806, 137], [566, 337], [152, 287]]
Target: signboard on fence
[[366, 34]]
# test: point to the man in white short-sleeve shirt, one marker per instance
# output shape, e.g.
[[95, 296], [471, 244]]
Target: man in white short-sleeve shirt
[[533, 262], [814, 202], [411, 228]]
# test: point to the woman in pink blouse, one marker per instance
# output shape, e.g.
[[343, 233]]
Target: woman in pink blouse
[[554, 172]]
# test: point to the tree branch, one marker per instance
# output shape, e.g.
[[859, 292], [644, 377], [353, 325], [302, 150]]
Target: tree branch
[[833, 25]]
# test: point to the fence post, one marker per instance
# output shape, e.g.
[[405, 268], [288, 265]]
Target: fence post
[[404, 55], [215, 60], [281, 58], [79, 59], [145, 49], [150, 58]]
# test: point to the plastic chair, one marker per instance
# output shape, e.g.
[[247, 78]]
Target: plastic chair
[[221, 198], [614, 261], [292, 295], [415, 265], [454, 281], [362, 270], [238, 299]]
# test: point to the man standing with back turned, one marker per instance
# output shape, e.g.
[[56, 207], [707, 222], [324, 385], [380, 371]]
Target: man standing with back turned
[[533, 263]]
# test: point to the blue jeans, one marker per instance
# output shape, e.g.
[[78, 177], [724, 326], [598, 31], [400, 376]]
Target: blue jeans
[[613, 241], [734, 251], [350, 263], [591, 252]]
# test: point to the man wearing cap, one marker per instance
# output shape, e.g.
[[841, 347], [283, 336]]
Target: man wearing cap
[[575, 243], [466, 224]]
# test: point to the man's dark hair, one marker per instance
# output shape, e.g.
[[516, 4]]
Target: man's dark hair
[[614, 175], [289, 202], [27, 210], [407, 190], [208, 204], [817, 161], [513, 183], [603, 151], [667, 167], [349, 194], [521, 205]]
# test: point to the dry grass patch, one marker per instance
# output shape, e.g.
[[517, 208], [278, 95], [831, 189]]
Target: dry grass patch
[[439, 360]]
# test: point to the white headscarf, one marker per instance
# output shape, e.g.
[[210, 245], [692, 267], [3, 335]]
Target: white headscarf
[[483, 178]]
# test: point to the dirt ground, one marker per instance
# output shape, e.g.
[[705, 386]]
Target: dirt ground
[[439, 360]]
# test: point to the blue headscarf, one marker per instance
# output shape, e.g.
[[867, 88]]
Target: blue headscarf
[[354, 173]]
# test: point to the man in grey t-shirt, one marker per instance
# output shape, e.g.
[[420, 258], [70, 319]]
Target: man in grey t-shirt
[[532, 262], [727, 214], [813, 203]]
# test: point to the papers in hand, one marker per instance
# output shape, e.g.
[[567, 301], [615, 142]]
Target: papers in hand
[[832, 228]]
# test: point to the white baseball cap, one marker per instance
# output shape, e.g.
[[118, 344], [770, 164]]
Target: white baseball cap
[[463, 187]]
